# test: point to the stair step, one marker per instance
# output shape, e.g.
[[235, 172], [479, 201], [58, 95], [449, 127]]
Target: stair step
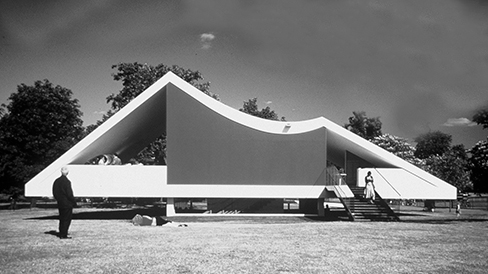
[[369, 211], [372, 219], [364, 206], [366, 209], [363, 211], [362, 220], [369, 216]]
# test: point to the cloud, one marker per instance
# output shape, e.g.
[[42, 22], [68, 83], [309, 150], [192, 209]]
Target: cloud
[[99, 112], [459, 122], [206, 40], [269, 102]]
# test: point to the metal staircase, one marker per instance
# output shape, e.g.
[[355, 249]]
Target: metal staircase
[[357, 208], [360, 209]]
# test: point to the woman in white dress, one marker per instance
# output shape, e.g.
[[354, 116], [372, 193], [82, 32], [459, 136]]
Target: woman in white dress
[[369, 191]]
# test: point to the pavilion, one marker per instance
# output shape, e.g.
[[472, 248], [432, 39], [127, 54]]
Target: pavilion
[[217, 152]]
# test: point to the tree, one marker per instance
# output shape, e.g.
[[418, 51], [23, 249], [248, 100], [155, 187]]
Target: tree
[[41, 123], [448, 163], [136, 78], [478, 161], [398, 146], [452, 167], [251, 107], [478, 164], [2, 111], [368, 128], [432, 144], [481, 118], [154, 153]]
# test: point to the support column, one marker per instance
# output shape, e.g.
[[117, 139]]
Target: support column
[[320, 207], [170, 207]]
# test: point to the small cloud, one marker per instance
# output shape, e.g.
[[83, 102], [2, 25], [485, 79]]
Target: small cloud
[[206, 40], [207, 37], [99, 112], [459, 122], [269, 102]]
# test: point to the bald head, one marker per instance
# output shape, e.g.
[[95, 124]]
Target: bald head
[[64, 171]]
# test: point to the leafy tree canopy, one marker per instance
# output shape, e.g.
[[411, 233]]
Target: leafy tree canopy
[[478, 164], [136, 78], [398, 146], [432, 143], [2, 111], [451, 167], [481, 118], [368, 128], [251, 107], [478, 160], [41, 123]]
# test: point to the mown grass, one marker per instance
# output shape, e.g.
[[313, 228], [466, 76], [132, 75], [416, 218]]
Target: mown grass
[[422, 243]]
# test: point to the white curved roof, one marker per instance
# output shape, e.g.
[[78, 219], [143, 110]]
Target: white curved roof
[[144, 118]]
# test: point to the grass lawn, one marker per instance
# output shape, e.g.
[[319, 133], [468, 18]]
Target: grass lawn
[[106, 242]]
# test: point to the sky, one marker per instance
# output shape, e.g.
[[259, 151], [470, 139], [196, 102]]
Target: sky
[[418, 65]]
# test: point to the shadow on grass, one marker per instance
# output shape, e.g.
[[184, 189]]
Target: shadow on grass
[[52, 232], [123, 214], [441, 218], [128, 214], [444, 221], [334, 217], [408, 214]]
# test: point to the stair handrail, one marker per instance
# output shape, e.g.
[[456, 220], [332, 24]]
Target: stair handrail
[[334, 178], [385, 205]]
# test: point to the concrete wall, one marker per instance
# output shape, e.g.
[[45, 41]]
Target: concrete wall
[[108, 181], [205, 147]]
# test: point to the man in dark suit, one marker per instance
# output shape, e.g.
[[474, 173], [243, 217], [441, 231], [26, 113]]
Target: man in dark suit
[[63, 193]]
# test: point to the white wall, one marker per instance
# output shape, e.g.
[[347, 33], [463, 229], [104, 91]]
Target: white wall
[[396, 183], [107, 181]]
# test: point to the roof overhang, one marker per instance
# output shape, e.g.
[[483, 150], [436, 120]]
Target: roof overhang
[[145, 117]]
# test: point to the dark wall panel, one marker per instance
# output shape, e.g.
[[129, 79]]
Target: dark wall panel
[[205, 147]]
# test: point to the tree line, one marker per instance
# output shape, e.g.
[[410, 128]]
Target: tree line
[[43, 121], [434, 152]]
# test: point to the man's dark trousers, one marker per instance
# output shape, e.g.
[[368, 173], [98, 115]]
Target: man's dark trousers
[[65, 215]]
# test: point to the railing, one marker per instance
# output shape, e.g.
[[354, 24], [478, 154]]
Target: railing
[[348, 206], [334, 179], [387, 207]]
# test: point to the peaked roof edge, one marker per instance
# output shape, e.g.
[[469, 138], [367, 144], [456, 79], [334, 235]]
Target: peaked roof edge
[[71, 154], [269, 126]]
